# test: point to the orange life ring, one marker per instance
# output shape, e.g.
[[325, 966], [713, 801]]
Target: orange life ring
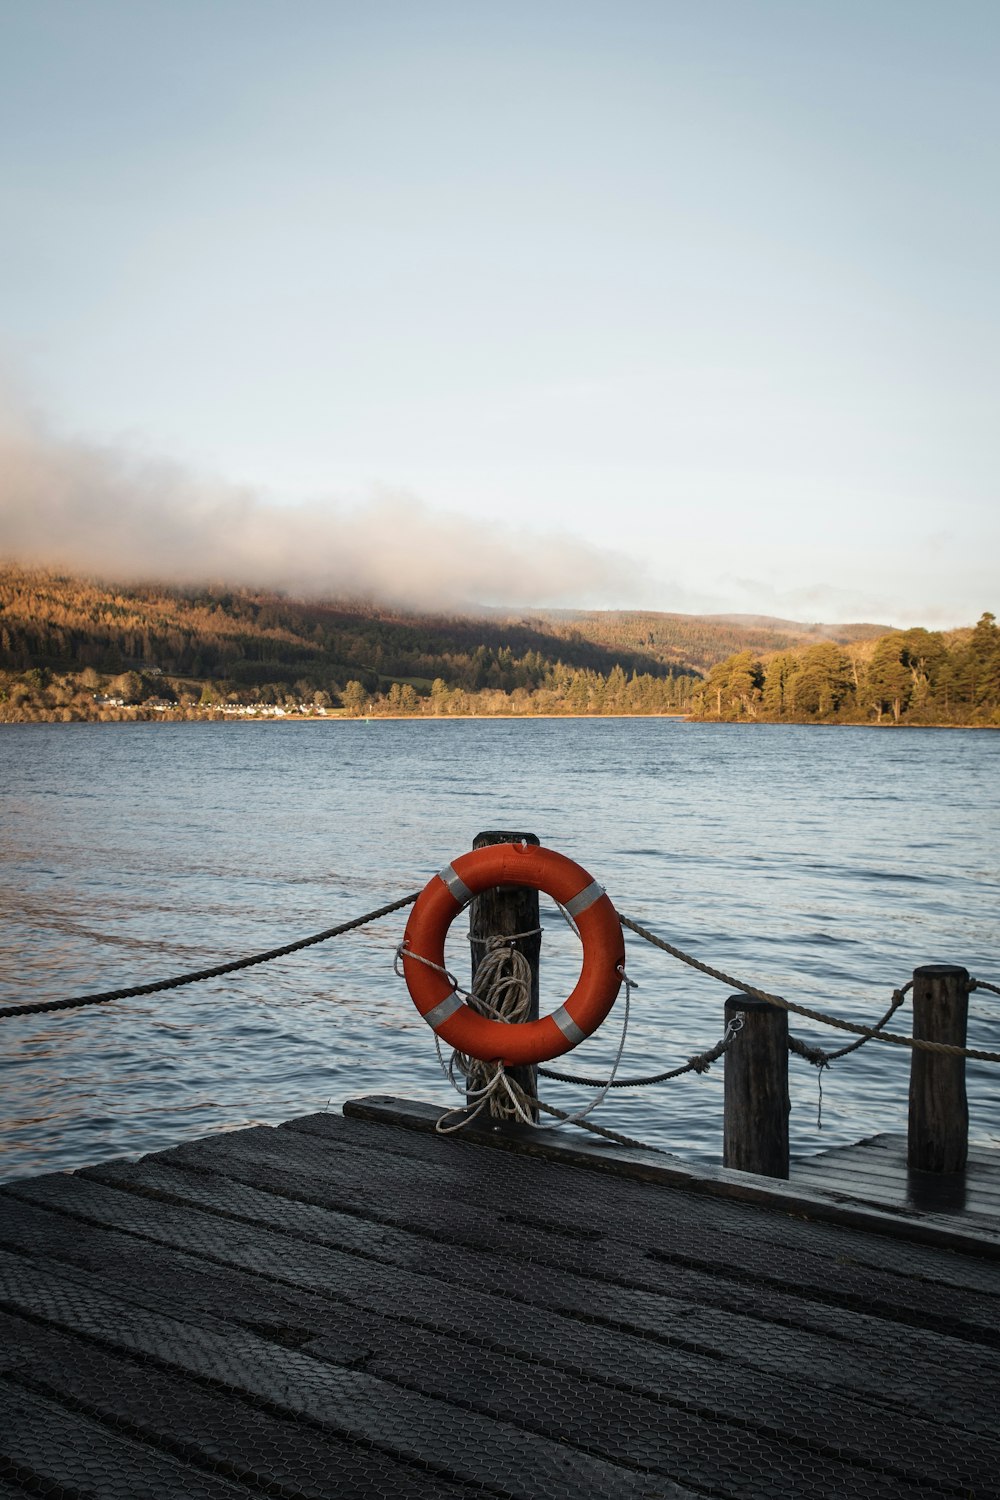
[[432, 992]]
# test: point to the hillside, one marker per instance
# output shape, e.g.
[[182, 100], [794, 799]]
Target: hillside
[[68, 644], [75, 648], [50, 620], [699, 641]]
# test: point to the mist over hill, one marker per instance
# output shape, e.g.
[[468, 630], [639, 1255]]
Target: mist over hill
[[60, 621]]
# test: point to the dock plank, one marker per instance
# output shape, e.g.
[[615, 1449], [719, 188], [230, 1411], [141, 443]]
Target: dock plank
[[48, 1448], [593, 1200], [692, 1375], [311, 1206], [345, 1306], [351, 1403], [875, 1171]]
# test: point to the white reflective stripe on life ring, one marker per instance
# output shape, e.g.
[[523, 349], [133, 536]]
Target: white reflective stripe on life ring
[[456, 885], [590, 893]]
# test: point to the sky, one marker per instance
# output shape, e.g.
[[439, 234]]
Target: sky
[[689, 305]]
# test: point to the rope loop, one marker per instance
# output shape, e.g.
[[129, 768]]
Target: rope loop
[[488, 1084], [505, 940], [820, 1058]]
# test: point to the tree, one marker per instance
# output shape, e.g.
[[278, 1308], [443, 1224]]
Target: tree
[[821, 682], [744, 681], [889, 680], [776, 697], [984, 651], [354, 698], [734, 686], [129, 686]]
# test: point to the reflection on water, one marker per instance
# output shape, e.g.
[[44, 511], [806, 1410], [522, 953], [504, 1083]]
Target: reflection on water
[[822, 865]]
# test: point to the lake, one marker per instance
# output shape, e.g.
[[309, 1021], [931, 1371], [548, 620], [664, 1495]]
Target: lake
[[821, 864]]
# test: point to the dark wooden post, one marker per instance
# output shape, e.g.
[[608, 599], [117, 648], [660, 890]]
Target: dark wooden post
[[939, 1111], [755, 1129], [500, 913]]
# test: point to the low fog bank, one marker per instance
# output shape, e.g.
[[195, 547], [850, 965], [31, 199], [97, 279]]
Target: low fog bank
[[114, 514]]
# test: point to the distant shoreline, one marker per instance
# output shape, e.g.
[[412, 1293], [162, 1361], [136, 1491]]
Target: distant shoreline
[[335, 718]]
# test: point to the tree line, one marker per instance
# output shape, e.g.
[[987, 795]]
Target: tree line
[[40, 695], [902, 677]]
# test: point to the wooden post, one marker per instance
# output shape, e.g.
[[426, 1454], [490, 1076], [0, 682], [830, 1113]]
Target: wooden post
[[755, 1129], [938, 1138], [500, 913]]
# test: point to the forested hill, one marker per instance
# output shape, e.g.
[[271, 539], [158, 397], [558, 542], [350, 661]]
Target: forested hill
[[74, 648], [243, 642], [701, 640]]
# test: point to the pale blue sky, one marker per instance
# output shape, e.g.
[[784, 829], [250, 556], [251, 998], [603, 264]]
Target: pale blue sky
[[706, 288]]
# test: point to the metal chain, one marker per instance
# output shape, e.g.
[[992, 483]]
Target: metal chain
[[107, 996]]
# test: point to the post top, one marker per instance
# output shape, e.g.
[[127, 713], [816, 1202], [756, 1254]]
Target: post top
[[502, 836], [748, 1002], [941, 971]]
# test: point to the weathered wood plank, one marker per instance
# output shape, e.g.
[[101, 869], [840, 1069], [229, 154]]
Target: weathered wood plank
[[348, 1402], [920, 1374], [714, 1281], [791, 1429], [880, 1154], [917, 1195], [49, 1449], [216, 1430], [735, 1297], [948, 1232], [612, 1202], [324, 1269], [700, 1271], [875, 1162], [876, 1171], [596, 1197], [887, 1173], [431, 1317], [895, 1141]]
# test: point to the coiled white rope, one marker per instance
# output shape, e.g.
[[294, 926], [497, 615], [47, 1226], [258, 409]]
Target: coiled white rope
[[488, 1084]]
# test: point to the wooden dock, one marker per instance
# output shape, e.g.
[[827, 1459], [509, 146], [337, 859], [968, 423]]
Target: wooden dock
[[353, 1306]]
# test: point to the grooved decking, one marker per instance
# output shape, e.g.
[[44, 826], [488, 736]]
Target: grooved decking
[[875, 1172], [349, 1307]]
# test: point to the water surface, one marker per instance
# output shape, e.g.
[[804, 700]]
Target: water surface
[[823, 864]]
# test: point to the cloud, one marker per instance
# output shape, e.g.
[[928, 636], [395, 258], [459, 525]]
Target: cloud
[[812, 601], [116, 514]]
